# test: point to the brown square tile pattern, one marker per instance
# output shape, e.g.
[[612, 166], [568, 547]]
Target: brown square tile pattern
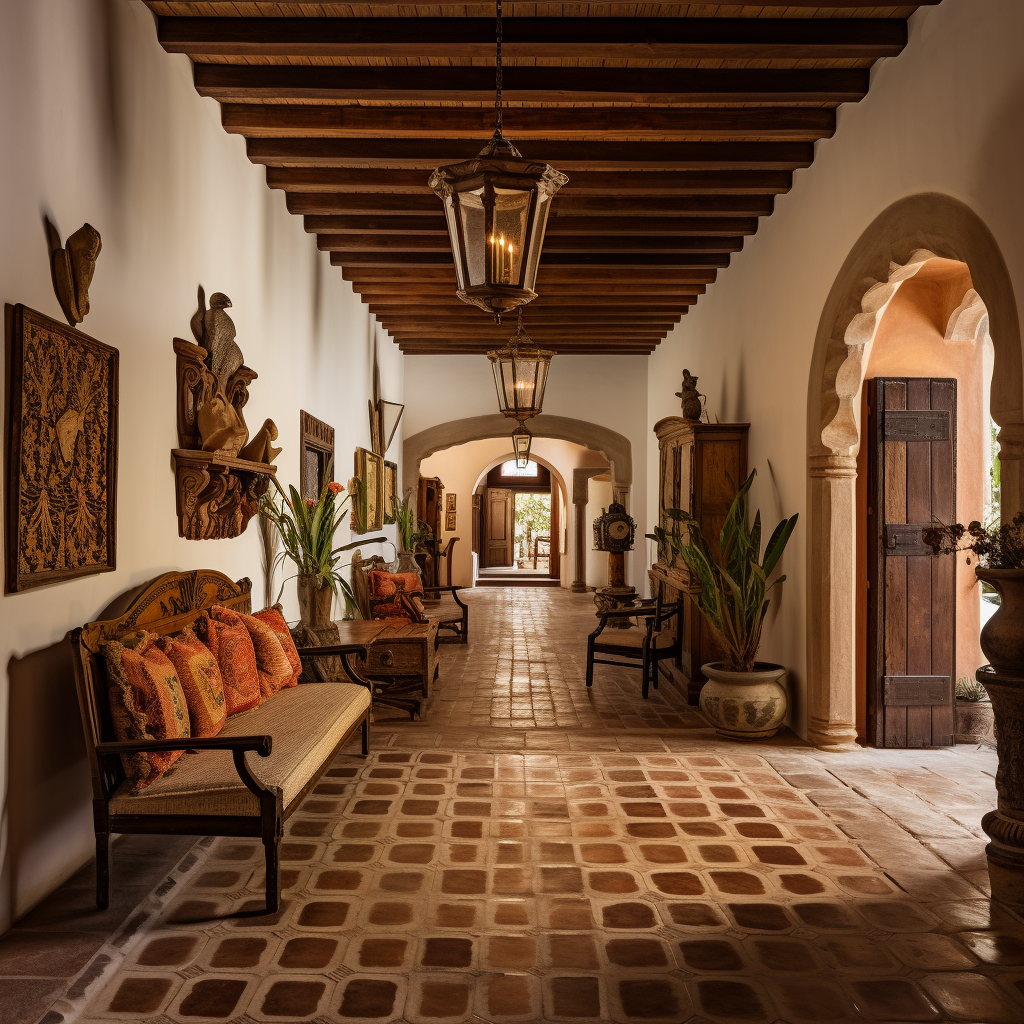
[[622, 929], [534, 851]]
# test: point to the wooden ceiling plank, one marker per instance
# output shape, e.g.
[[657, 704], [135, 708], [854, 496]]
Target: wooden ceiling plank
[[243, 82], [635, 38], [602, 183], [547, 275], [266, 120]]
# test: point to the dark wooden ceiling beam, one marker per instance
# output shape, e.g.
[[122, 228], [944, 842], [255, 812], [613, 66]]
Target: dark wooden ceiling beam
[[566, 205], [440, 348], [243, 82], [439, 293], [552, 245], [596, 183], [268, 120], [568, 314], [625, 276], [569, 38], [436, 225], [566, 155], [680, 261]]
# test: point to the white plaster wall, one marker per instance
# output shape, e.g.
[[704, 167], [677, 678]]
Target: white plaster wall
[[101, 125], [607, 390], [599, 498], [945, 116]]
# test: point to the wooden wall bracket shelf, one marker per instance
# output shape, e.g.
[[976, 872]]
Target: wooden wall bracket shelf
[[216, 494]]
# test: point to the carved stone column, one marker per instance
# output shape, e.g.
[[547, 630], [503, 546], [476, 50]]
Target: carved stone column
[[831, 603], [580, 494], [1005, 825], [1011, 455]]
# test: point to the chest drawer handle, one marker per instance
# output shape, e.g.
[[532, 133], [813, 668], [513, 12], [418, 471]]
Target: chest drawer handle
[[387, 659]]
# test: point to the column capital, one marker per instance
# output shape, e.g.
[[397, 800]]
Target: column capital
[[1011, 442]]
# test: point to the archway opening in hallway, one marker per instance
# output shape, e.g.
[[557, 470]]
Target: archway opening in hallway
[[892, 251]]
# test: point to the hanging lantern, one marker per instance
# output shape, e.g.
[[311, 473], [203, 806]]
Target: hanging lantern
[[520, 375], [497, 207], [521, 440]]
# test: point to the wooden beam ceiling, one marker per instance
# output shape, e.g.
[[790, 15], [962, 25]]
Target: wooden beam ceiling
[[676, 133]]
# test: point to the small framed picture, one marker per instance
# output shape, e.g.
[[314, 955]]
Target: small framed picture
[[449, 503], [449, 521], [390, 491]]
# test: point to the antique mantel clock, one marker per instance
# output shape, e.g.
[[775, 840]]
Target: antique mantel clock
[[614, 532]]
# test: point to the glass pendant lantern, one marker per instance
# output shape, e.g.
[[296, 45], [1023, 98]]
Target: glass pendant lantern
[[521, 440], [520, 375], [496, 206]]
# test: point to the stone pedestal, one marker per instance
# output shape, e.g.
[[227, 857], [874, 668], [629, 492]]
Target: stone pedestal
[[610, 599], [1005, 825]]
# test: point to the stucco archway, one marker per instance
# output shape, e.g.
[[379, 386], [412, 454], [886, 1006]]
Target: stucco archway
[[613, 446], [891, 250]]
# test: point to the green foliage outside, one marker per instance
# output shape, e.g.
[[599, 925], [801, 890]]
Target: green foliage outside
[[532, 519]]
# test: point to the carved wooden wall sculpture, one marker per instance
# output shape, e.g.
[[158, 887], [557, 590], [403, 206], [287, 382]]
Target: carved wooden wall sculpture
[[219, 477], [61, 452]]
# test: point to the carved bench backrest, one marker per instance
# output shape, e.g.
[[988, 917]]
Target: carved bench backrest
[[165, 605]]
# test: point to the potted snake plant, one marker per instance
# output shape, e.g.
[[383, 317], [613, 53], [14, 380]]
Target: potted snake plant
[[743, 697]]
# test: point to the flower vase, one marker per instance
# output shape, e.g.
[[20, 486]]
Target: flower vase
[[407, 563], [1002, 637], [315, 601]]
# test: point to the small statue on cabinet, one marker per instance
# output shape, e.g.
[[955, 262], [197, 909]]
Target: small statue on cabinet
[[692, 400]]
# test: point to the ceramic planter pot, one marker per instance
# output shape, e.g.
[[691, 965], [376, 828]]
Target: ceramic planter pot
[[315, 601], [744, 705], [973, 721], [406, 562], [1002, 637]]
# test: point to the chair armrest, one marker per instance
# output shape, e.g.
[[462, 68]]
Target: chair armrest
[[261, 744], [323, 650], [640, 610], [454, 591]]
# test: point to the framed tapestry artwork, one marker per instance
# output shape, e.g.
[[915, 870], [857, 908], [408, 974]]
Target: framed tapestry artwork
[[369, 512], [450, 519], [449, 500], [61, 507], [316, 455], [390, 491]]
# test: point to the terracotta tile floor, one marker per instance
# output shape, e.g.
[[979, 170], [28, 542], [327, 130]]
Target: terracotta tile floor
[[597, 871]]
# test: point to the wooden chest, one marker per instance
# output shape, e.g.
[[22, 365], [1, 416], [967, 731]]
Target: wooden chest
[[404, 651]]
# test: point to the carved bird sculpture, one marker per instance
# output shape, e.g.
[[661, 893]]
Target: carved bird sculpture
[[215, 331], [72, 267]]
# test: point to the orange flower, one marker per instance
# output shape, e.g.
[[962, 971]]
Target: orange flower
[[334, 488], [310, 503]]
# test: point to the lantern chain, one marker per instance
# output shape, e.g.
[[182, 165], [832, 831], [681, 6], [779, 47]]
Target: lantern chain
[[497, 73]]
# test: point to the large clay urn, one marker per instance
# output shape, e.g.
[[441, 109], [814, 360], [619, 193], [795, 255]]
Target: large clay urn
[[1002, 638], [744, 705], [315, 601]]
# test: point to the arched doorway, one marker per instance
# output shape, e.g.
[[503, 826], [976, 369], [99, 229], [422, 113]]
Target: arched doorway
[[892, 251], [615, 451]]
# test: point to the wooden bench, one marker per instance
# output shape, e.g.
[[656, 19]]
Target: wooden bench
[[215, 788]]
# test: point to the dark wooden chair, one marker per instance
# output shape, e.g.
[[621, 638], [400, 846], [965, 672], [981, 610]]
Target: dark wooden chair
[[647, 643]]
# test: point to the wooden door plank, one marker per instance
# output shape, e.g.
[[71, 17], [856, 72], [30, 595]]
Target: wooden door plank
[[895, 630], [943, 507]]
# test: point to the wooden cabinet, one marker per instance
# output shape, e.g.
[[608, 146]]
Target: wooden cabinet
[[701, 466]]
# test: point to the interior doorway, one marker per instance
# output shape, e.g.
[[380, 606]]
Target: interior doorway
[[925, 456], [519, 516]]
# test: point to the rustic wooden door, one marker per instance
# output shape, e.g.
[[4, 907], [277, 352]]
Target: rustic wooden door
[[499, 526], [911, 621]]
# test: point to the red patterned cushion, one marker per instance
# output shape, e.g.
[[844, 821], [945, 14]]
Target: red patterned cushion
[[275, 620], [384, 585], [273, 669], [146, 702], [236, 660], [200, 680]]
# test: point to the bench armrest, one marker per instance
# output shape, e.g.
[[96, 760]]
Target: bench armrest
[[261, 744]]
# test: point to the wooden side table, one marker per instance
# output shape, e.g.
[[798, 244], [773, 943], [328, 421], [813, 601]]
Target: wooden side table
[[405, 654]]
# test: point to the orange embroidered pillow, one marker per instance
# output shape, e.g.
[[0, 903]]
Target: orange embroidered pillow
[[273, 669], [275, 620], [146, 702], [385, 585], [236, 659], [200, 680]]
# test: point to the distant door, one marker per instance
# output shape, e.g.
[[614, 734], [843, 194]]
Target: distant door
[[912, 594], [499, 519]]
